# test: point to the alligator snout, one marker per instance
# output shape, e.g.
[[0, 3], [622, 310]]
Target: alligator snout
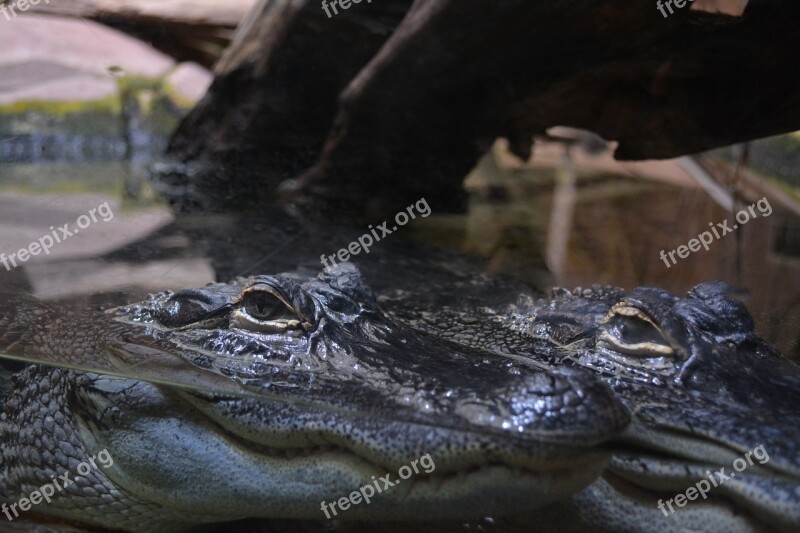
[[566, 404]]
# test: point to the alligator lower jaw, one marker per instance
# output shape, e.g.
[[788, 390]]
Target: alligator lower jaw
[[220, 460], [459, 487], [622, 504], [481, 490], [484, 490], [247, 483], [744, 503], [657, 465]]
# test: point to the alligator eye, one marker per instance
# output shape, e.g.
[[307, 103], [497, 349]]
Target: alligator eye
[[263, 306], [262, 309], [629, 331]]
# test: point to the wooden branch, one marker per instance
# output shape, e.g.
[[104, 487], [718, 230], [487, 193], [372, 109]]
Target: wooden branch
[[418, 109]]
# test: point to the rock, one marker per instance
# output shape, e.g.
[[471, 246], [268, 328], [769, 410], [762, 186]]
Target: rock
[[72, 89], [734, 8], [62, 49]]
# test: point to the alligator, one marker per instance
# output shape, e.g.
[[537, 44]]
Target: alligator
[[703, 388], [705, 393], [333, 394]]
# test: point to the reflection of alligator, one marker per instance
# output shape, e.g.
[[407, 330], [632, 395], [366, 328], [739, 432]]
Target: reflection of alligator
[[340, 393], [704, 389]]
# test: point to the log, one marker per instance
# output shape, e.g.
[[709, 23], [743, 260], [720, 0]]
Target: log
[[275, 95], [457, 74]]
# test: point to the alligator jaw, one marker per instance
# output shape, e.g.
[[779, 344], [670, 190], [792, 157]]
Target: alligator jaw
[[304, 457], [665, 460]]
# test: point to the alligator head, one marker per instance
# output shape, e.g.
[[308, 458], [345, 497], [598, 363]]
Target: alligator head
[[338, 396], [705, 392]]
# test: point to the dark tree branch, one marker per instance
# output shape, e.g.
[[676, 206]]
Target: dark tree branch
[[456, 74]]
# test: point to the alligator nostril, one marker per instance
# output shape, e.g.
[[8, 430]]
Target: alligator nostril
[[179, 313], [188, 306]]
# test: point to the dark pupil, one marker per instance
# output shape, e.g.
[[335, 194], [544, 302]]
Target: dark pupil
[[633, 331], [263, 306]]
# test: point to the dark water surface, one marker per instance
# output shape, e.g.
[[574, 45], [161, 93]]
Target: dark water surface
[[604, 226]]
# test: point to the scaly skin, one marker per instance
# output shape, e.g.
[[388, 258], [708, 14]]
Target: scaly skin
[[331, 391], [704, 390]]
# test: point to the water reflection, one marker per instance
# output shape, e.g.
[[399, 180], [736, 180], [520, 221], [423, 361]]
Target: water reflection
[[612, 228], [569, 217]]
